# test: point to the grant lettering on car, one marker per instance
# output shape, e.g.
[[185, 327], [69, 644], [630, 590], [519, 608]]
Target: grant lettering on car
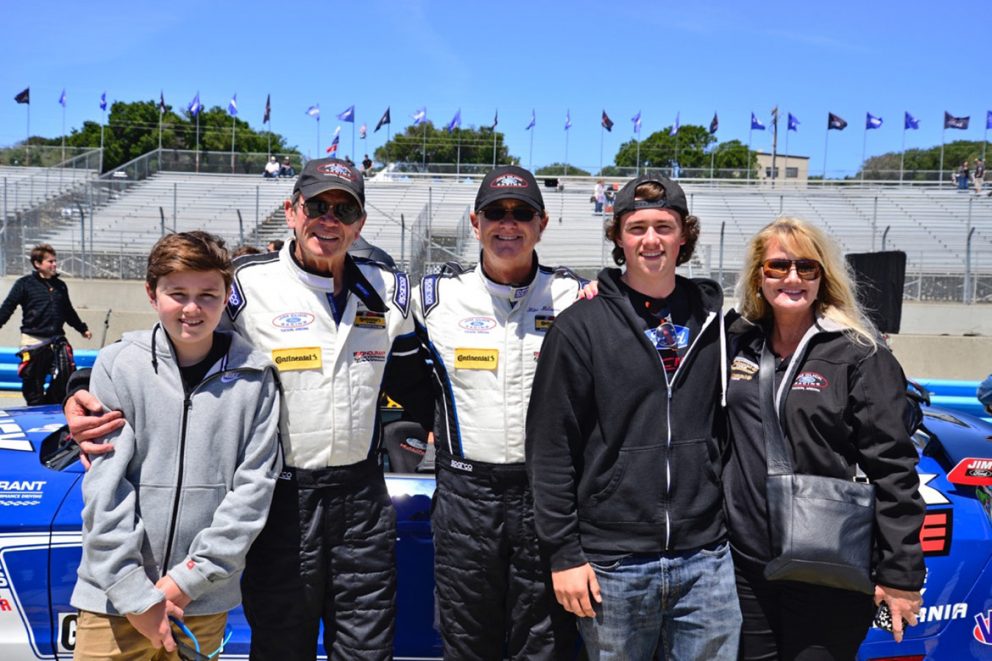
[[297, 358], [476, 359]]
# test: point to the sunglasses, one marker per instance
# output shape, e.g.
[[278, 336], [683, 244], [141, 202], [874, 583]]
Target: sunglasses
[[806, 269], [347, 212], [192, 652], [522, 214]]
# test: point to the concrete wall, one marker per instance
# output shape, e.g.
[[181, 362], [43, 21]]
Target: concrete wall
[[938, 340]]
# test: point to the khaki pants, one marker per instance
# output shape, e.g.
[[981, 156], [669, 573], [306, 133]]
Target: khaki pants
[[110, 637]]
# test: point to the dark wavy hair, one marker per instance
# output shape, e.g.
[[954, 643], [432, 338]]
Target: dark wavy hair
[[650, 191]]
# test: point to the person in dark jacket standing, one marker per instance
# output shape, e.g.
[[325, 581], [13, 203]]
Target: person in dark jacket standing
[[46, 308], [623, 450], [840, 395]]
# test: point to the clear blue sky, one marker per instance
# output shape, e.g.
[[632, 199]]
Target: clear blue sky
[[662, 58]]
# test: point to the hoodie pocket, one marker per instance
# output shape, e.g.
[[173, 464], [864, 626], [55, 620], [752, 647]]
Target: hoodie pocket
[[635, 490]]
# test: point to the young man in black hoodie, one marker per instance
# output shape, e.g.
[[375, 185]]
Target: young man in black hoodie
[[623, 449]]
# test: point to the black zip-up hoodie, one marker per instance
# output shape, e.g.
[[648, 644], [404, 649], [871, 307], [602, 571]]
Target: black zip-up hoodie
[[616, 461], [841, 405], [45, 305]]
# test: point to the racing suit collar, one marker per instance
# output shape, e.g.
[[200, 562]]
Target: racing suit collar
[[354, 280], [511, 293]]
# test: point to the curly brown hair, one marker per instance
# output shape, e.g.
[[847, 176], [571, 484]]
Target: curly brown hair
[[189, 251], [650, 191]]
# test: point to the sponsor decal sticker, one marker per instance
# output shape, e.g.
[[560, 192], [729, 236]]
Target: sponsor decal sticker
[[542, 322], [520, 292], [983, 628], [743, 369], [940, 612], [228, 377], [369, 357], [462, 466], [12, 436], [810, 382], [370, 319], [291, 321], [477, 324], [972, 471], [935, 535], [67, 631], [931, 496], [19, 493], [508, 181], [336, 170], [476, 359], [297, 358]]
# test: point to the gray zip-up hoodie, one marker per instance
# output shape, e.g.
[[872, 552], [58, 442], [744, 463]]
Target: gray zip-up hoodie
[[188, 485]]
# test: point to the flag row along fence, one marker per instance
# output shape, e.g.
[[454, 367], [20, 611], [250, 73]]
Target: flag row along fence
[[426, 231]]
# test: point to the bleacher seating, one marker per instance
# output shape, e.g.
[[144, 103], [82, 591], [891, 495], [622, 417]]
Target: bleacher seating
[[27, 186]]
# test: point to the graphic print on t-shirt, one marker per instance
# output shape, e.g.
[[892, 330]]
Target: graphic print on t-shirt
[[670, 340]]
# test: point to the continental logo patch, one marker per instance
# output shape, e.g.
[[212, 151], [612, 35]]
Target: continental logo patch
[[370, 319], [476, 359], [297, 358], [542, 322], [742, 369]]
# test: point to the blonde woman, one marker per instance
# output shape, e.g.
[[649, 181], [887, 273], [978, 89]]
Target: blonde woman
[[841, 404]]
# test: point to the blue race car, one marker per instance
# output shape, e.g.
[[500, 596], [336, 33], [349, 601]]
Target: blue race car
[[40, 505]]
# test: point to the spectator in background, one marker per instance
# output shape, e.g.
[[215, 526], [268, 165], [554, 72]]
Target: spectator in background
[[286, 169], [367, 165], [46, 308], [275, 245], [599, 196], [979, 175], [964, 176], [984, 394], [271, 170], [245, 249]]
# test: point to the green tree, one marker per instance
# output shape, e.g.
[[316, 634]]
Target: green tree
[[558, 169], [474, 144], [133, 128], [660, 148], [921, 164], [731, 159]]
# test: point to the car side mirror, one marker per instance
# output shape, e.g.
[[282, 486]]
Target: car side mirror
[[58, 450]]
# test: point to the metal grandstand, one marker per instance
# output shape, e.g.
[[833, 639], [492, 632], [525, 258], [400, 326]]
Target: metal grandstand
[[104, 227]]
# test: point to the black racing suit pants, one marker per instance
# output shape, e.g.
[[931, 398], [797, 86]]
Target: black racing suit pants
[[790, 621], [37, 362], [327, 553], [493, 583]]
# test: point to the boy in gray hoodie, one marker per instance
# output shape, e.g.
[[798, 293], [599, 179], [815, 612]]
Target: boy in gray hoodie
[[170, 514]]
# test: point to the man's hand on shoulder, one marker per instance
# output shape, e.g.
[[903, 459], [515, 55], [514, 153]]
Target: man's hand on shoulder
[[573, 588], [88, 424]]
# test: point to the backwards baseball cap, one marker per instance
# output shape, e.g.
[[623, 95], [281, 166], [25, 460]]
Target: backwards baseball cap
[[324, 174], [509, 181], [674, 197]]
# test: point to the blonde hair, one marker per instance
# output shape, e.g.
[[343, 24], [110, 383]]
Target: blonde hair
[[835, 300]]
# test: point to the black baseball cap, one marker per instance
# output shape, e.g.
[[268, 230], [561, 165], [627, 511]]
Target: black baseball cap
[[509, 181], [674, 196], [324, 174]]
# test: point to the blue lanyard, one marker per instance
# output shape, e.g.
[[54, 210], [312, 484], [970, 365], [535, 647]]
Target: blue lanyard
[[194, 653]]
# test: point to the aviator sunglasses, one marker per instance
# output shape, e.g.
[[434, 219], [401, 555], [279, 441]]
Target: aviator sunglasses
[[806, 269], [346, 212], [522, 214]]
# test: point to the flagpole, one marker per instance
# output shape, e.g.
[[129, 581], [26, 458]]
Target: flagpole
[[864, 146], [602, 137], [786, 155], [270, 137], [63, 132], [494, 147], [985, 136], [638, 141], [749, 131], [943, 133], [424, 149], [353, 152], [27, 140], [902, 155], [318, 137], [161, 111], [775, 144], [458, 158], [712, 160], [233, 120], [100, 171], [826, 143], [565, 165], [530, 158]]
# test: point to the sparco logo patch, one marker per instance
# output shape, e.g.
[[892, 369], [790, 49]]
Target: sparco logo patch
[[336, 170], [461, 465], [290, 321], [477, 324], [810, 381], [508, 181]]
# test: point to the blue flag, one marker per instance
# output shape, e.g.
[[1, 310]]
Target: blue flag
[[232, 106], [988, 119], [675, 128], [911, 122], [103, 101], [455, 122], [420, 116], [496, 119], [755, 124], [637, 122], [568, 119], [161, 101], [835, 122], [952, 122], [606, 122], [314, 111], [194, 106], [793, 124], [62, 98], [872, 122], [533, 120], [347, 115], [714, 124]]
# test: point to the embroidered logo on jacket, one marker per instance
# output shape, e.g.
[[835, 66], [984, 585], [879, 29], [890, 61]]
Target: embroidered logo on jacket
[[297, 358], [476, 359], [369, 357], [742, 369], [542, 322], [477, 324], [810, 382], [291, 321], [370, 319]]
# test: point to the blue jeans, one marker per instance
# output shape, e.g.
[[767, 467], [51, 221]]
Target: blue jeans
[[678, 607]]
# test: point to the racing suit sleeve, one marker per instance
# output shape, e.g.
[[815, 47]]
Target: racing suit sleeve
[[11, 302], [113, 532], [558, 420], [407, 378], [887, 455], [219, 551]]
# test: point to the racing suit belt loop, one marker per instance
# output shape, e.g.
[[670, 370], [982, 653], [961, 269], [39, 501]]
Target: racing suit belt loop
[[336, 476]]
